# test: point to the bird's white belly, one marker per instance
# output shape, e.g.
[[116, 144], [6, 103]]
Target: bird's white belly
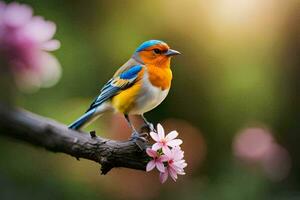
[[148, 98]]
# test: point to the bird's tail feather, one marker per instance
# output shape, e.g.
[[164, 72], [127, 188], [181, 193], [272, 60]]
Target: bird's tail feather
[[84, 120]]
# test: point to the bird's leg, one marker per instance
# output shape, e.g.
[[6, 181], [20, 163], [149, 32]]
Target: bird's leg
[[134, 131], [148, 124], [135, 136]]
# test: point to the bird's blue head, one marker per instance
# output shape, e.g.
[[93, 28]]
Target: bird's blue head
[[148, 44], [154, 52]]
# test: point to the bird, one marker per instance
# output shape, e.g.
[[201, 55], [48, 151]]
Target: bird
[[137, 87]]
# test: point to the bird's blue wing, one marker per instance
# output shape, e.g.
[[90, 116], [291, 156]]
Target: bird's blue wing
[[115, 85]]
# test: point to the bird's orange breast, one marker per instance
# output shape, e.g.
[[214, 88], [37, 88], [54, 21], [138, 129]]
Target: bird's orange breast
[[160, 77]]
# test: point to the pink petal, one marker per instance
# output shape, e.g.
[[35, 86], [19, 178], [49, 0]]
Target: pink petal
[[161, 132], [180, 164], [156, 146], [150, 165], [46, 73], [179, 169], [166, 150], [40, 30], [177, 155], [181, 173], [163, 177], [160, 166], [177, 148], [173, 173], [51, 45], [173, 143], [154, 136], [50, 69], [152, 153], [16, 15], [172, 135], [163, 158]]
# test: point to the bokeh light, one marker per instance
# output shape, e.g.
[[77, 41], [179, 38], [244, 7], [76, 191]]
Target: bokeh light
[[253, 144], [277, 163], [257, 146]]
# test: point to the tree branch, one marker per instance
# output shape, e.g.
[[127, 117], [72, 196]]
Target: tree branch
[[55, 137]]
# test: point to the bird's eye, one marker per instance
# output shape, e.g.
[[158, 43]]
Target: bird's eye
[[157, 51]]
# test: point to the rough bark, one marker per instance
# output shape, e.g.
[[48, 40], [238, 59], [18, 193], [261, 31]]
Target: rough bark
[[53, 136]]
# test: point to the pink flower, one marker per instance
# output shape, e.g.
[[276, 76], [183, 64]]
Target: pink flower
[[167, 155], [164, 142], [157, 160], [175, 164], [24, 40]]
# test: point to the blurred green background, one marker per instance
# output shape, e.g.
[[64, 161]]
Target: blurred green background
[[239, 70]]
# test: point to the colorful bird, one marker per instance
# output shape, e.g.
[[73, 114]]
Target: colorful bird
[[137, 87]]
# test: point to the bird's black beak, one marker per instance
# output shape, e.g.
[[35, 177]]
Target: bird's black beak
[[172, 52]]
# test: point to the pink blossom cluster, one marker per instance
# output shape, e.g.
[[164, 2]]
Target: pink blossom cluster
[[24, 42], [166, 155]]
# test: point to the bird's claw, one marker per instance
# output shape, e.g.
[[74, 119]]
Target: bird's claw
[[151, 127], [148, 127], [137, 136], [139, 139]]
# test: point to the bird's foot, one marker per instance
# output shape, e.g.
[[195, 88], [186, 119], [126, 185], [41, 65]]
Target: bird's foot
[[151, 127], [136, 136], [139, 139]]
